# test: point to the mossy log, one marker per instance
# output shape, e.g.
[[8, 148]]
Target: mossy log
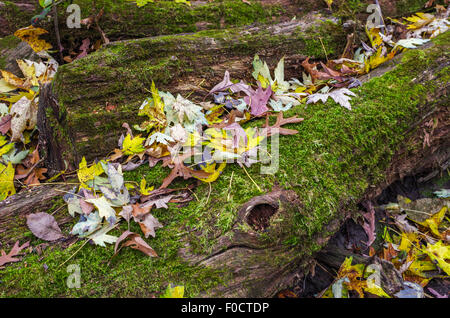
[[122, 19], [235, 240], [121, 73]]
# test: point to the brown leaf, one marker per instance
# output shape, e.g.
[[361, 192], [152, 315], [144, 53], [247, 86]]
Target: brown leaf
[[10, 257], [180, 170], [149, 224], [136, 242], [139, 212], [269, 130], [5, 124], [44, 226], [312, 70]]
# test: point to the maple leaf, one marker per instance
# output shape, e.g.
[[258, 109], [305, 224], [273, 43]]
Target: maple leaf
[[258, 101], [86, 173], [159, 138], [104, 209], [339, 96], [153, 108], [100, 237], [132, 146], [11, 256]]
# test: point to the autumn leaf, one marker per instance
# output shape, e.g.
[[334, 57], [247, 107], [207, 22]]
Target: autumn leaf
[[180, 170], [173, 291], [132, 146], [104, 209], [100, 237], [12, 255], [419, 20], [44, 226], [31, 36], [86, 173], [24, 116], [136, 242], [153, 108], [441, 254], [6, 181], [340, 96]]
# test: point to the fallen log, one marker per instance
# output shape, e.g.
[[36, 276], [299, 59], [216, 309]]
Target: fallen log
[[121, 73], [241, 242]]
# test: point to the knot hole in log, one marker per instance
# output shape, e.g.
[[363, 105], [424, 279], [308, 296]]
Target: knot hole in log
[[257, 212]]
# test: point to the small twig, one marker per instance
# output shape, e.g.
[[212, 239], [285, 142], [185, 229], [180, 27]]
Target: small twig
[[58, 37], [229, 187], [62, 206], [209, 193], [323, 46], [74, 253]]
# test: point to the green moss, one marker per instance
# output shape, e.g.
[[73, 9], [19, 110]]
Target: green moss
[[9, 42]]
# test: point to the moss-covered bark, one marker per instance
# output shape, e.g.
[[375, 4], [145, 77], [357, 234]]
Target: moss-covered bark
[[123, 19], [122, 72], [208, 246]]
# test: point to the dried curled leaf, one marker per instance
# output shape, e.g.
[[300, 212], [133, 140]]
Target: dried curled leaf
[[134, 241]]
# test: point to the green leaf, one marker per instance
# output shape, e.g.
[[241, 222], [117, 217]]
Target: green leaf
[[15, 158]]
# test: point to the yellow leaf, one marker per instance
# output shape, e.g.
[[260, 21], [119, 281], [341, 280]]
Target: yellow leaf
[[215, 173], [13, 80], [6, 149], [419, 20], [434, 222], [133, 146], [377, 59], [143, 187], [154, 109], [6, 181], [374, 37], [407, 240], [86, 173], [419, 268], [5, 87], [440, 253], [31, 36], [28, 71], [373, 288], [173, 292]]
